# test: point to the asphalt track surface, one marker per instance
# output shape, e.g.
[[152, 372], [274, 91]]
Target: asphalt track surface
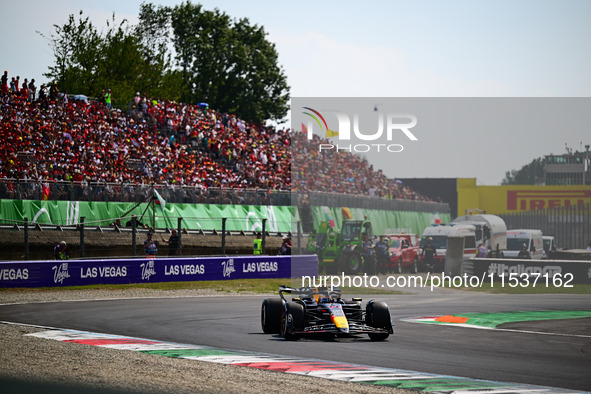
[[551, 357]]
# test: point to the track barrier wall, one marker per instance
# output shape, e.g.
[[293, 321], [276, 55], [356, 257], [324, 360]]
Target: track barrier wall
[[556, 273], [59, 273], [454, 256]]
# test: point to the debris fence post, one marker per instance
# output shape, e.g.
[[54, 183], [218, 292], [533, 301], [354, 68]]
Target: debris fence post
[[179, 232], [264, 236], [299, 229], [82, 236], [224, 236], [133, 234], [26, 238]]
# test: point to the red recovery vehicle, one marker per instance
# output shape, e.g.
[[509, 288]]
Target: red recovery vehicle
[[404, 253]]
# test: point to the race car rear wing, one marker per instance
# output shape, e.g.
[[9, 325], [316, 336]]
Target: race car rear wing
[[309, 292]]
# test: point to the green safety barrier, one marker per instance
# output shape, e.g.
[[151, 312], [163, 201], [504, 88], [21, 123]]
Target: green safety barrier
[[193, 216], [207, 216]]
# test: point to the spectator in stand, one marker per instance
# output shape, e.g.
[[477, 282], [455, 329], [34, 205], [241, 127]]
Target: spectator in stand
[[32, 90], [4, 84], [102, 97], [84, 142], [54, 92], [341, 172], [42, 93], [24, 92], [108, 99]]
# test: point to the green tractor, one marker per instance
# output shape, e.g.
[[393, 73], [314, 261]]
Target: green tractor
[[343, 251]]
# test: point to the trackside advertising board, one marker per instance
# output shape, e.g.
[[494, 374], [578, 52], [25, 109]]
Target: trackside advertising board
[[541, 273], [56, 273], [498, 200]]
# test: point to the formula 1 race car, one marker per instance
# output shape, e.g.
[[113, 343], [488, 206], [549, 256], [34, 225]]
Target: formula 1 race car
[[318, 310]]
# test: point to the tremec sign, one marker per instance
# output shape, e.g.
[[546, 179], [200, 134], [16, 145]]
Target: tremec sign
[[123, 271]]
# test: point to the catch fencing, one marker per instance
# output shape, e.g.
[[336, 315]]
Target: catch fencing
[[125, 236]]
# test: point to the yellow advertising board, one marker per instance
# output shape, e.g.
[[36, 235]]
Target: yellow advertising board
[[518, 198]]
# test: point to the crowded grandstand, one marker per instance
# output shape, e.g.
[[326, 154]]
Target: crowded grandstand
[[51, 137]]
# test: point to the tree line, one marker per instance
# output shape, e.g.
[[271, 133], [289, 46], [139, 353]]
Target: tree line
[[182, 53], [530, 174]]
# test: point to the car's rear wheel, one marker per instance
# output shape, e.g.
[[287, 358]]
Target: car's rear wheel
[[271, 315], [292, 320], [378, 316]]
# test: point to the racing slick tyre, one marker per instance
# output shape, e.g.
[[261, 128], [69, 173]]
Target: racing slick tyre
[[351, 262], [378, 316], [292, 319], [271, 315]]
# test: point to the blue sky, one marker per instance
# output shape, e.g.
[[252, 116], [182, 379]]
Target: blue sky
[[518, 48]]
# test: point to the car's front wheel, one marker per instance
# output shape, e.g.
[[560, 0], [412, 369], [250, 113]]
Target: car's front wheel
[[378, 316], [271, 315], [292, 320]]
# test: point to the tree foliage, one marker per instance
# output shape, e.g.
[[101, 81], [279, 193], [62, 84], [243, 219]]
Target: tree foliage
[[529, 174], [227, 63], [181, 53], [88, 60]]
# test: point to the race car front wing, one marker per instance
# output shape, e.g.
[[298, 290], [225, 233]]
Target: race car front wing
[[354, 328]]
